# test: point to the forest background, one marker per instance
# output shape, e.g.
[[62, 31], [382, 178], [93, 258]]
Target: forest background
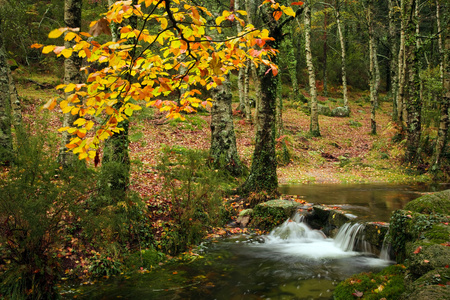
[[360, 94]]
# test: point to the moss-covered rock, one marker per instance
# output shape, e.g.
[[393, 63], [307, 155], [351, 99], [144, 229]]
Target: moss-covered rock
[[438, 203], [423, 258], [374, 234], [438, 276], [387, 284], [341, 112], [268, 215], [434, 292]]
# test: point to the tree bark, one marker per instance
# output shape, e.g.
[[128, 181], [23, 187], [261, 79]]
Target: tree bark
[[401, 71], [72, 74], [5, 106], [372, 76], [412, 91], [314, 125], [393, 61], [263, 178], [343, 67], [223, 149], [116, 163], [325, 57], [441, 141]]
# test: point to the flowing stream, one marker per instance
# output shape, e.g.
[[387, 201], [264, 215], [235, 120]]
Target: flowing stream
[[292, 262]]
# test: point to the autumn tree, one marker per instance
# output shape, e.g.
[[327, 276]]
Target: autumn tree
[[263, 173], [72, 75], [170, 35]]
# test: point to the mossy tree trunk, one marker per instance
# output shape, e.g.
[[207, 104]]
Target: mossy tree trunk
[[263, 173], [314, 124], [373, 102], [223, 149], [393, 61], [412, 90], [5, 106], [116, 158], [401, 72], [72, 74], [445, 106]]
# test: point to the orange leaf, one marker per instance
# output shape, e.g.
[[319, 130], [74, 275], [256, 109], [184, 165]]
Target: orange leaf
[[417, 250], [277, 15], [297, 3]]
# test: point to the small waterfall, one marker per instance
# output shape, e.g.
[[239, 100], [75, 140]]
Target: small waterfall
[[350, 237], [386, 248], [295, 229]]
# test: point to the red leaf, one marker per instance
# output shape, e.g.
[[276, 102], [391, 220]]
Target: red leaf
[[358, 294], [297, 3], [417, 250]]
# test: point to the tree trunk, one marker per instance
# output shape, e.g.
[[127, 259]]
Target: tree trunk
[[263, 178], [72, 74], [116, 158], [314, 125], [279, 109], [412, 92], [393, 61], [401, 71], [445, 103], [372, 69], [248, 107], [325, 57], [250, 6], [343, 68], [223, 149], [5, 106], [292, 68]]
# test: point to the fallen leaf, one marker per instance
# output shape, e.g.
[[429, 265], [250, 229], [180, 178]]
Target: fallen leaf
[[418, 249]]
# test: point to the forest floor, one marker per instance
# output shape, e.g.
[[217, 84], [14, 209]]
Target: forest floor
[[345, 152]]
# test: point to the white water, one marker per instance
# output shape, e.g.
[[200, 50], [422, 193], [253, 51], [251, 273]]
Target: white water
[[295, 238]]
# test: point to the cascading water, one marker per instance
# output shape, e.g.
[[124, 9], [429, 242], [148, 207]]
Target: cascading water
[[349, 236]]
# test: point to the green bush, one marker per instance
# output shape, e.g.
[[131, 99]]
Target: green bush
[[194, 191], [38, 201]]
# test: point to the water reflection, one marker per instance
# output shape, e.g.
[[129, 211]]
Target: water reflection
[[371, 202]]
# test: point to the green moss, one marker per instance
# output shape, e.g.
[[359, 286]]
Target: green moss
[[385, 284], [439, 233], [268, 215], [438, 203]]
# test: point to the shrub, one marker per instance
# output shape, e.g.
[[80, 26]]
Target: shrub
[[37, 202], [196, 197]]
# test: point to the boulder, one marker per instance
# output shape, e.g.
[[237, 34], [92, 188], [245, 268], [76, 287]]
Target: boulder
[[438, 203], [268, 215], [340, 112]]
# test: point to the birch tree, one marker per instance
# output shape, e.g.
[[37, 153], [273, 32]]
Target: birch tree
[[314, 122]]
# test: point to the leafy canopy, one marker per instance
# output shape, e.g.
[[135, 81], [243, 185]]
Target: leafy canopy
[[174, 53]]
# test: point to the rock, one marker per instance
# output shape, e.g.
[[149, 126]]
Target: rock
[[340, 112], [268, 215], [438, 203], [430, 292], [423, 258], [244, 217], [323, 110]]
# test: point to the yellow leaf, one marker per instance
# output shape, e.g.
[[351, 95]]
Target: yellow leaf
[[83, 155], [48, 49], [70, 36], [89, 125], [79, 122], [56, 33], [66, 52], [69, 88], [129, 111], [288, 10]]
